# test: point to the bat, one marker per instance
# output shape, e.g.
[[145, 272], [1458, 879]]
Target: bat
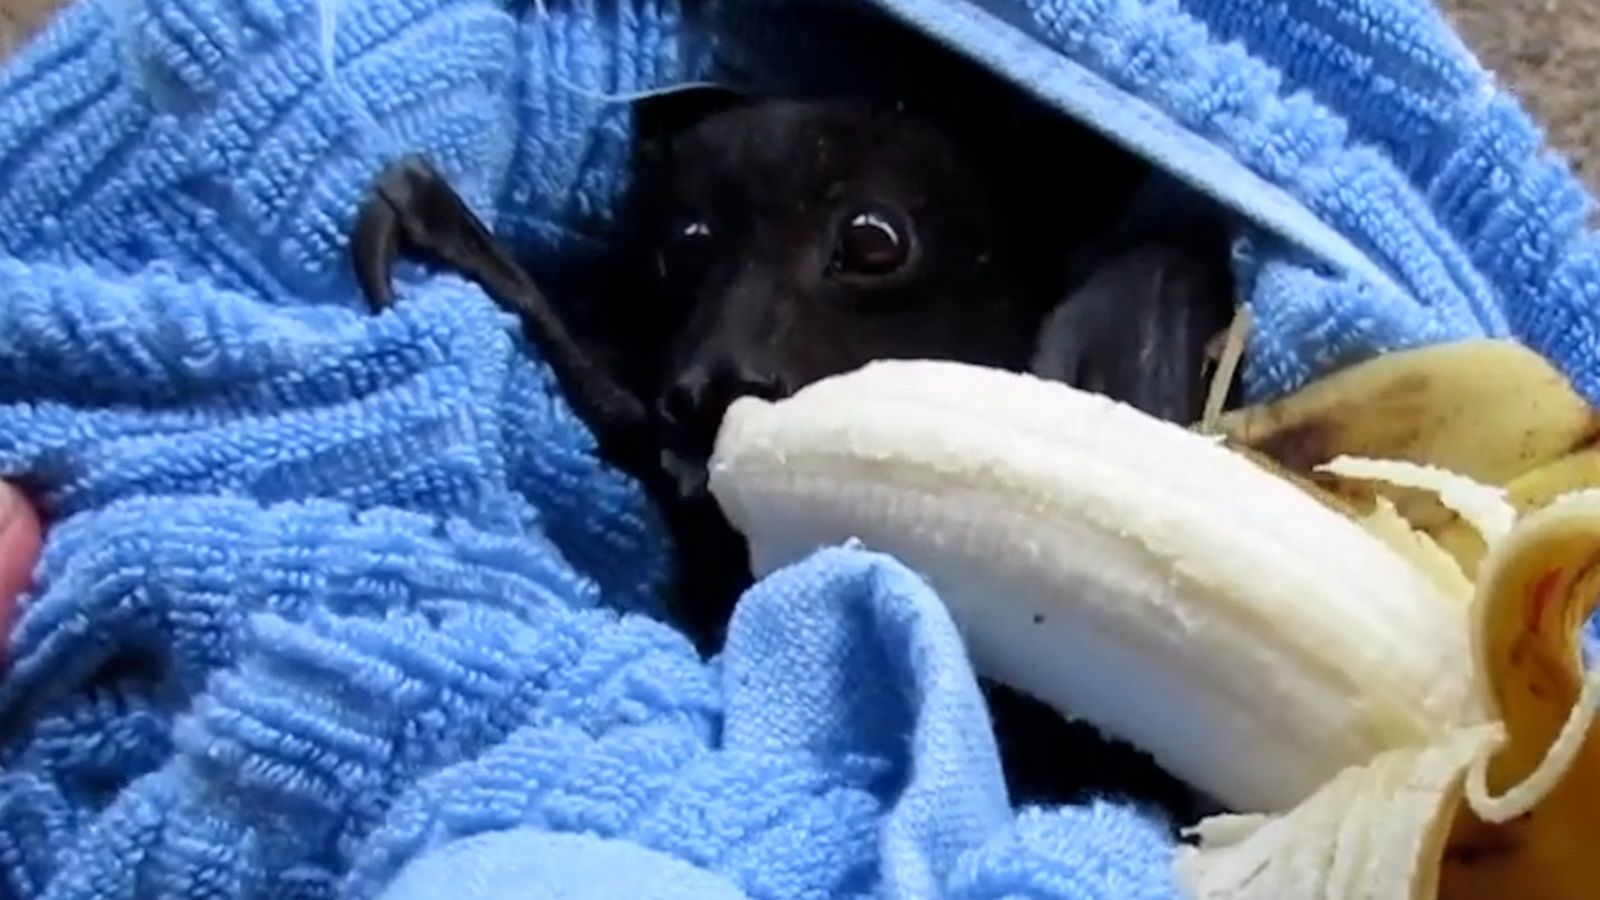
[[783, 240]]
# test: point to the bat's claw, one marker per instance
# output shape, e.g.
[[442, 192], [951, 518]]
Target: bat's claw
[[414, 212], [410, 210], [374, 247]]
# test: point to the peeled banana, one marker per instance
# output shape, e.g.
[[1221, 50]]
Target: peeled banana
[[1125, 570], [1389, 717]]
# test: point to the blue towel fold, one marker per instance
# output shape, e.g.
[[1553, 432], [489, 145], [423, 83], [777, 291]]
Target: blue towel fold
[[341, 605]]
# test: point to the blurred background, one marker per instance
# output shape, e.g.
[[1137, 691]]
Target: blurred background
[[1546, 50], [1549, 52]]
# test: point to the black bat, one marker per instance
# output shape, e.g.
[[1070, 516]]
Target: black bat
[[781, 241], [785, 240]]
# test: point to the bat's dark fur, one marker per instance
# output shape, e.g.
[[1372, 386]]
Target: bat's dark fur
[[779, 242]]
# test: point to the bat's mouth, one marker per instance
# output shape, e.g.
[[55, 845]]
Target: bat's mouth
[[689, 469], [688, 435]]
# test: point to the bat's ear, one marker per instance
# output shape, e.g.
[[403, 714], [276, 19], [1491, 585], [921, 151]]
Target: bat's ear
[[660, 116]]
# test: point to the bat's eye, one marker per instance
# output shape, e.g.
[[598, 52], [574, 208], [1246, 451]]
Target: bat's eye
[[686, 253], [873, 241]]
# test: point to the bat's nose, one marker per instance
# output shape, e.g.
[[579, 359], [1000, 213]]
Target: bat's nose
[[692, 406], [700, 394]]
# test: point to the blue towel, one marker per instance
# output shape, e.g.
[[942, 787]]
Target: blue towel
[[340, 605]]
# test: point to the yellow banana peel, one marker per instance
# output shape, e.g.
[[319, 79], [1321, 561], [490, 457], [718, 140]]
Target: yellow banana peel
[[1489, 811], [1536, 799], [1507, 809], [1490, 410], [1527, 492]]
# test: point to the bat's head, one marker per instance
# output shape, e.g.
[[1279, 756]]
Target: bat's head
[[791, 240]]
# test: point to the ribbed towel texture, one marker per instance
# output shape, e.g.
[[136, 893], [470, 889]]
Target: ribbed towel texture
[[342, 605]]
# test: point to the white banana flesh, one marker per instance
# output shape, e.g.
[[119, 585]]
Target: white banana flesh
[[1125, 570]]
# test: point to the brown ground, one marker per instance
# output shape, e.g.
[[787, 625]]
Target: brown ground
[[1549, 50], [19, 18]]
